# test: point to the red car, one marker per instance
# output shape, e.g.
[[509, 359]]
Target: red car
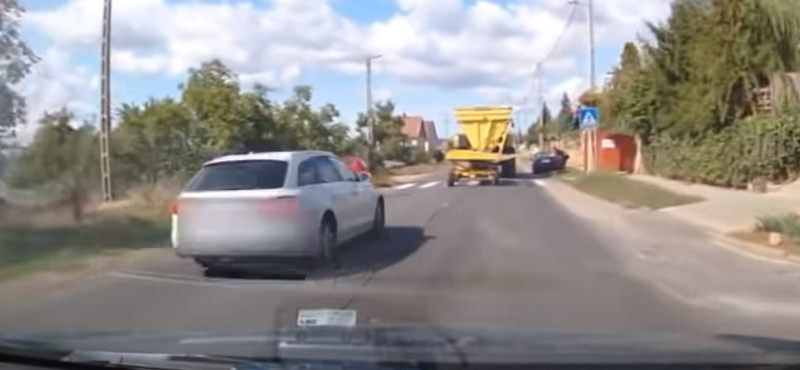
[[356, 164]]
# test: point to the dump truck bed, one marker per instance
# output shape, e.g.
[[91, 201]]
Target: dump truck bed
[[485, 130], [481, 147]]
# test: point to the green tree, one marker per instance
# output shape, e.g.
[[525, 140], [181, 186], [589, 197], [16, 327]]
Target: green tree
[[211, 94], [546, 116], [165, 138], [619, 103], [17, 59], [62, 159], [388, 131], [565, 117], [155, 141], [259, 129], [691, 94], [312, 128]]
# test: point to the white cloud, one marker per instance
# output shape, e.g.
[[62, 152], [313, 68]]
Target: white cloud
[[273, 79], [381, 94], [484, 46], [56, 82], [573, 87]]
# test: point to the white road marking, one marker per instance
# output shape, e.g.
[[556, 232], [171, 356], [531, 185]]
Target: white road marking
[[330, 287], [211, 282], [404, 186], [540, 183], [429, 185]]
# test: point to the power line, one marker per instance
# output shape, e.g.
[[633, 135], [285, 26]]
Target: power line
[[563, 32], [552, 51]]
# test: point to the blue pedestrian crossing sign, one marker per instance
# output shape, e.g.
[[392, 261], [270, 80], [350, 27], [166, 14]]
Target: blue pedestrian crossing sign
[[589, 117]]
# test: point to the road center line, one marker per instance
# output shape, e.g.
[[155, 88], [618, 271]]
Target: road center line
[[540, 183], [429, 185], [404, 186]]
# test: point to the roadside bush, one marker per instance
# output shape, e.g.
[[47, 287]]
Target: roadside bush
[[381, 178], [418, 155], [157, 196], [438, 156], [788, 225], [750, 149]]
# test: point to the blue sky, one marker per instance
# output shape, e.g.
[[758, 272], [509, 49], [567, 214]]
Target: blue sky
[[438, 55]]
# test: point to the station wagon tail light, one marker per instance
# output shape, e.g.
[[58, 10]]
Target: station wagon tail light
[[282, 206]]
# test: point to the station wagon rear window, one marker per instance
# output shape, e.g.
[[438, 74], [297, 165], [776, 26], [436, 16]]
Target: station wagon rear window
[[240, 175]]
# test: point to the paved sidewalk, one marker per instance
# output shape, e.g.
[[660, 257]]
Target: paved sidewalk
[[726, 210]]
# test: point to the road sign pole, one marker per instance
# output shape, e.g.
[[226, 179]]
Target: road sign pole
[[593, 149], [589, 117]]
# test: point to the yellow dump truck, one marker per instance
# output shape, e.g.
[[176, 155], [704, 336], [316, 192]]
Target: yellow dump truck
[[484, 149]]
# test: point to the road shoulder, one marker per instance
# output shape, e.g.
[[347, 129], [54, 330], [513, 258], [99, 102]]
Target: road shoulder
[[686, 261], [37, 286], [680, 207]]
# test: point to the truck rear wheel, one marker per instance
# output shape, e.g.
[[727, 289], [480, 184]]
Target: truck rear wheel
[[508, 169]]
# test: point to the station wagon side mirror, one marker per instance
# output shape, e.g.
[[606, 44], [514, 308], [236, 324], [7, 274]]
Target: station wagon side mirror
[[363, 177]]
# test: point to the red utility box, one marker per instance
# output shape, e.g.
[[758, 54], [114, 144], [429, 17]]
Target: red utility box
[[616, 152]]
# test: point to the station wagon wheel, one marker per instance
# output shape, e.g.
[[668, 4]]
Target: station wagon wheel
[[379, 222], [327, 240]]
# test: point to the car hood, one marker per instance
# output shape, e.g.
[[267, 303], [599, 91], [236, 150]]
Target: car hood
[[383, 343]]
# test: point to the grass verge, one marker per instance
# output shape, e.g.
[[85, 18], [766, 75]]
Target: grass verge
[[788, 225], [381, 178], [761, 238], [620, 189], [27, 248]]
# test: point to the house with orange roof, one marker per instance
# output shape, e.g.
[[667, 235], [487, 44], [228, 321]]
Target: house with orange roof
[[420, 133]]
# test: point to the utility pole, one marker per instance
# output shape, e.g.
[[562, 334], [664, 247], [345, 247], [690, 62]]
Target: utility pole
[[447, 126], [370, 116], [589, 135], [593, 77], [540, 94], [105, 104], [592, 62]]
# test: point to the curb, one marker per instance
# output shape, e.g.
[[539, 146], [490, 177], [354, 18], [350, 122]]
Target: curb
[[754, 249]]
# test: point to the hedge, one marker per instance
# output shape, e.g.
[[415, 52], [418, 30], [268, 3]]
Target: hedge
[[753, 148]]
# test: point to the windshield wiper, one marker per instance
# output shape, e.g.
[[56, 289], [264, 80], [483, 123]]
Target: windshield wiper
[[165, 361], [38, 354]]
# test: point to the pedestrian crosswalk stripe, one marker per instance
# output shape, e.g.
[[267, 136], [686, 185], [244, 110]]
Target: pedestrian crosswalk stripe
[[431, 184]]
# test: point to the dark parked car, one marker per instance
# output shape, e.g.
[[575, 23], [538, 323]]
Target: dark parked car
[[549, 160]]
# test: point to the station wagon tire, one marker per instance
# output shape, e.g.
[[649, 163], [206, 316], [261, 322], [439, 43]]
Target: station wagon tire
[[327, 242], [204, 262], [379, 221]]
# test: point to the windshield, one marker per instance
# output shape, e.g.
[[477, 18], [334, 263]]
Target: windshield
[[522, 175], [239, 175]]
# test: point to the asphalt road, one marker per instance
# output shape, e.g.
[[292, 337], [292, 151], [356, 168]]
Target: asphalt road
[[506, 257]]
